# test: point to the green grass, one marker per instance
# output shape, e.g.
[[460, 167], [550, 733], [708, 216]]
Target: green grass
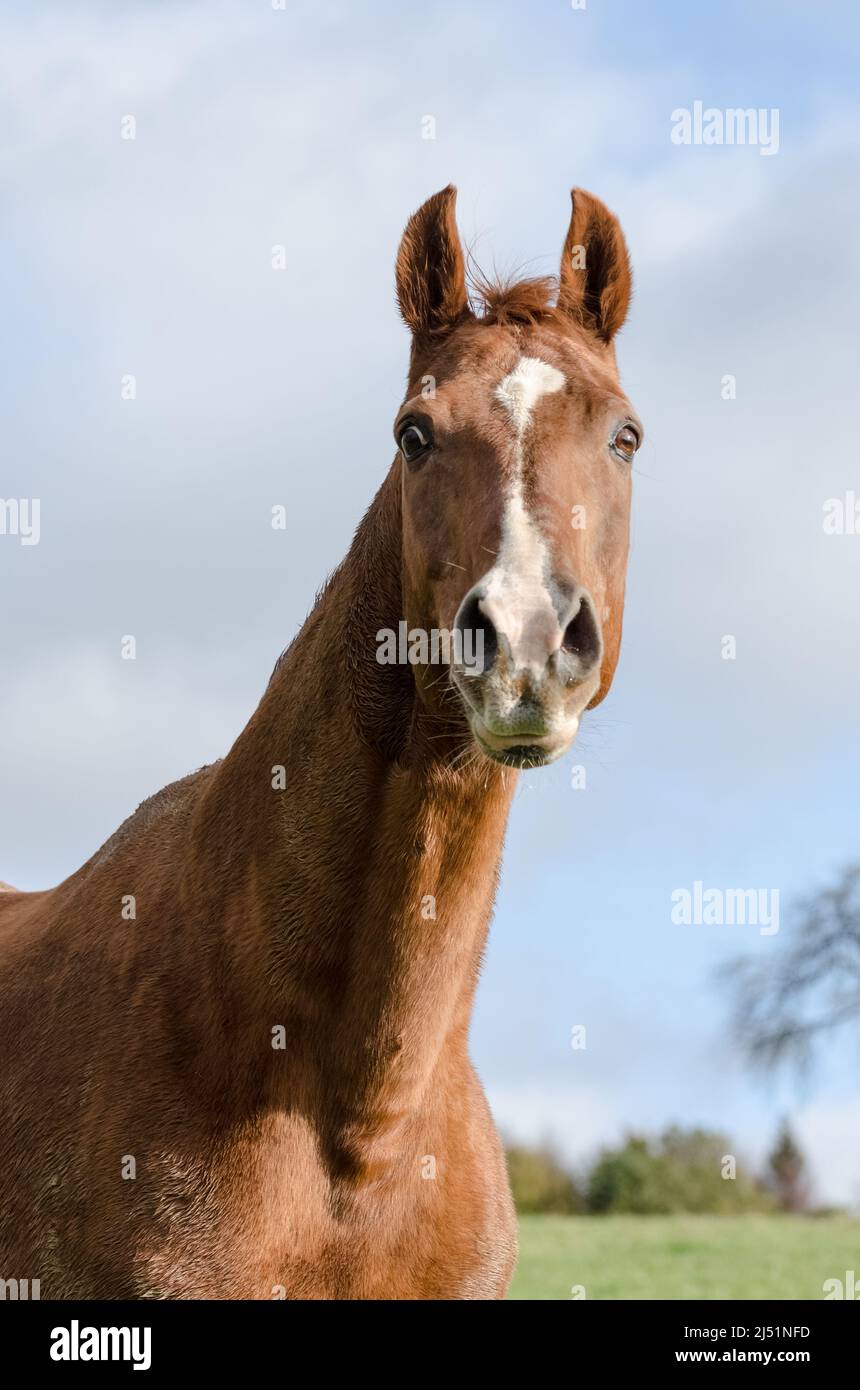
[[683, 1256]]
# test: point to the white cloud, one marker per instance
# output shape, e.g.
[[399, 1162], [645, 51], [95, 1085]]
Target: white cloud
[[829, 1133], [575, 1119]]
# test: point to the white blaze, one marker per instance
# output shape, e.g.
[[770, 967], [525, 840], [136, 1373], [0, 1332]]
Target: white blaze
[[522, 388], [517, 600]]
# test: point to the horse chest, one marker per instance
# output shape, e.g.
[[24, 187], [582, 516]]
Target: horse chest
[[418, 1226]]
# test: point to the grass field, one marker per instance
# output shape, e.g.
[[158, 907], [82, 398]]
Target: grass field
[[683, 1256]]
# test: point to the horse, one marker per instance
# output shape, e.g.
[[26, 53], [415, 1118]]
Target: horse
[[235, 1041]]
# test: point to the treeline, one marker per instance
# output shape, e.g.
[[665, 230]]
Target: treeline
[[680, 1170]]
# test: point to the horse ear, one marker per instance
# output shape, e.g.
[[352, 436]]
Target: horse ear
[[431, 272], [595, 279]]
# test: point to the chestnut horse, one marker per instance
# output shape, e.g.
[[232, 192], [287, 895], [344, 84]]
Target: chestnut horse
[[235, 1042]]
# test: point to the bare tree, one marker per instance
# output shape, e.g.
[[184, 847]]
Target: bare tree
[[784, 1002]]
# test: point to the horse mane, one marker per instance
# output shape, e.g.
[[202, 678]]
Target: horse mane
[[508, 300]]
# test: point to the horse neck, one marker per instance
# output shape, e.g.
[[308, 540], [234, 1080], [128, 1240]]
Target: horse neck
[[361, 878]]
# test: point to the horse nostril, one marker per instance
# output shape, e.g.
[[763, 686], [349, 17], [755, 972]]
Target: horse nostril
[[582, 636], [478, 635]]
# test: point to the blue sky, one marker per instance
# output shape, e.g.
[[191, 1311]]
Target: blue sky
[[303, 128]]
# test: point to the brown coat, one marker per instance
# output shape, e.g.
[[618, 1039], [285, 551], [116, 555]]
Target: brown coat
[[234, 1042]]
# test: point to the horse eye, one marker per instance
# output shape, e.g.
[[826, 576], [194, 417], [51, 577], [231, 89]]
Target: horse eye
[[412, 443], [626, 442]]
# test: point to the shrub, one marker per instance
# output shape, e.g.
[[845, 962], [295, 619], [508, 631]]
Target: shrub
[[682, 1170], [540, 1182]]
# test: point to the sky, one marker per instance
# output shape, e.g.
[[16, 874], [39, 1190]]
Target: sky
[[304, 128]]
